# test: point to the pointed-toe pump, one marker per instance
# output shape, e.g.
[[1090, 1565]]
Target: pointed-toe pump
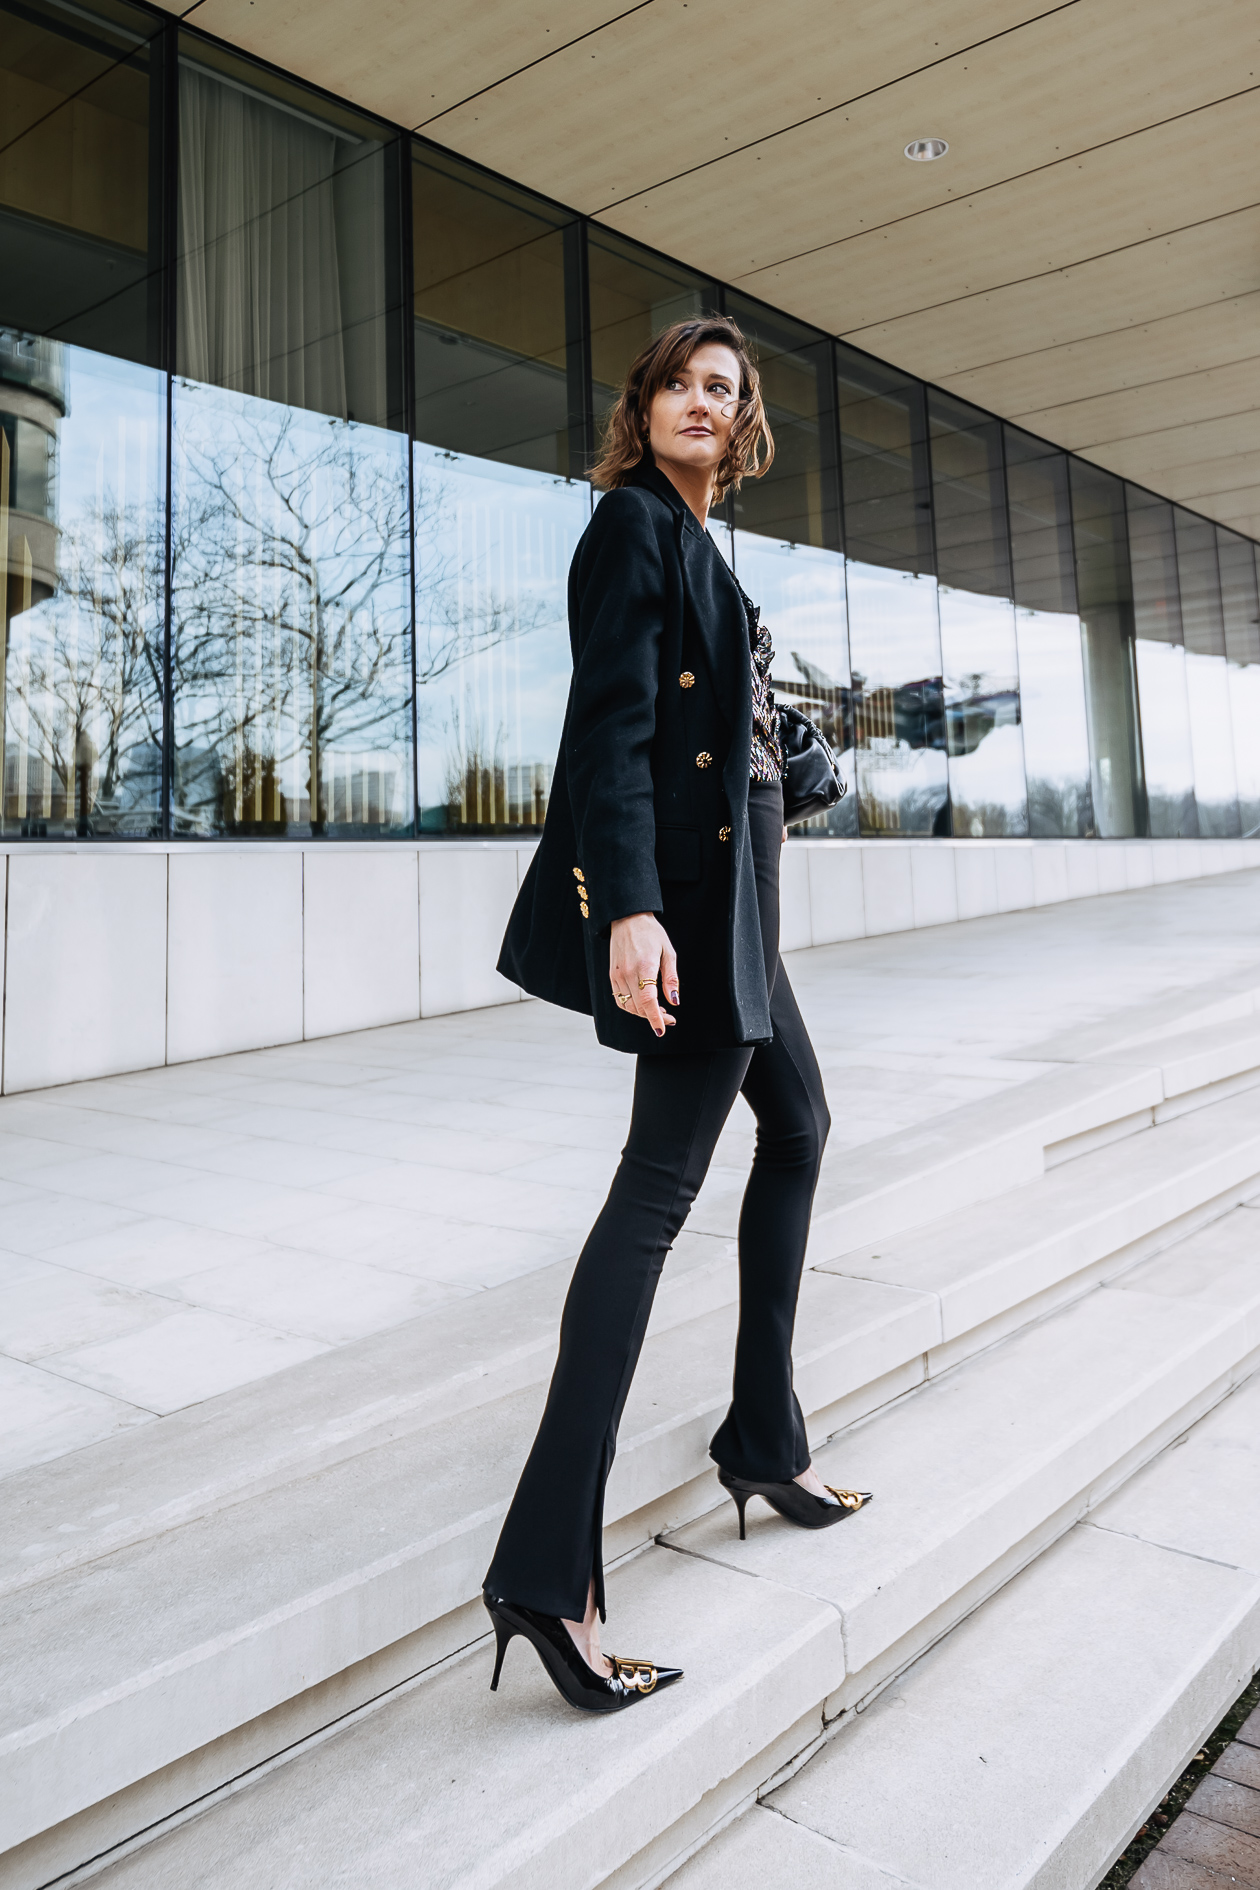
[[796, 1503], [629, 1681]]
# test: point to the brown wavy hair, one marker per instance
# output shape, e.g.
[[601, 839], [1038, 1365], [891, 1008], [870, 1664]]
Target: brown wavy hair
[[749, 451]]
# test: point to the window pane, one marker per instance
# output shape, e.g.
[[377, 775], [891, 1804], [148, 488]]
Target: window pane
[[894, 630], [1105, 593], [884, 466], [634, 294], [1242, 647], [1048, 636], [78, 234], [291, 621], [497, 325], [284, 252], [1207, 681], [977, 612], [82, 551], [1161, 666], [493, 546], [797, 501], [801, 592]]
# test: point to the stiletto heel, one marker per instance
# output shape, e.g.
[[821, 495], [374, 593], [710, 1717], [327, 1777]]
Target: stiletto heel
[[795, 1503], [630, 1680], [503, 1633]]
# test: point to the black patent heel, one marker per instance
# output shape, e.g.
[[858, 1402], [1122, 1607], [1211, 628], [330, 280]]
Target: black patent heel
[[794, 1503], [580, 1685], [503, 1633]]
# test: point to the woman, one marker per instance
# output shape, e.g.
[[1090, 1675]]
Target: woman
[[653, 904]]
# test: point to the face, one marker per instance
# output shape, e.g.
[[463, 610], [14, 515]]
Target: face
[[691, 418]]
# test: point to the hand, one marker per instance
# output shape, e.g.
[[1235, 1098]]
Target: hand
[[783, 842], [639, 952]]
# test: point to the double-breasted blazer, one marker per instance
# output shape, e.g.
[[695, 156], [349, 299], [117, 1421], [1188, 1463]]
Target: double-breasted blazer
[[649, 799]]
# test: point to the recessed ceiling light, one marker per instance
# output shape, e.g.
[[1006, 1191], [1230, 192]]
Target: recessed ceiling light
[[923, 150]]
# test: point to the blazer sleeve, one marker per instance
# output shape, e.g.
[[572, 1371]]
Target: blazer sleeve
[[620, 612]]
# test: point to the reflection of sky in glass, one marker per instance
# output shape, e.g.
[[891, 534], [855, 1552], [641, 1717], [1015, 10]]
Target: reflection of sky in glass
[[1161, 674], [82, 697], [977, 642], [290, 617], [1053, 719], [801, 591], [1212, 739], [986, 766], [493, 548], [1244, 696], [893, 630]]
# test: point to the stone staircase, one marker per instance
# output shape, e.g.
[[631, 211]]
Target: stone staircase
[[244, 1646]]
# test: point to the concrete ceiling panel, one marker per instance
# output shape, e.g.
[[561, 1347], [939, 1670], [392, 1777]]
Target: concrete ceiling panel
[[406, 62], [1086, 260]]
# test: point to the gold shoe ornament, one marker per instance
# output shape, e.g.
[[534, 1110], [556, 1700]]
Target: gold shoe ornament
[[639, 1675], [851, 1499]]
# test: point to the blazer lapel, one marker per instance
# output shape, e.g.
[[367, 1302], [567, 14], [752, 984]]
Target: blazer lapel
[[718, 613], [716, 608]]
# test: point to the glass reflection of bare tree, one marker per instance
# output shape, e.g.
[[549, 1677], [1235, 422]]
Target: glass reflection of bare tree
[[290, 619]]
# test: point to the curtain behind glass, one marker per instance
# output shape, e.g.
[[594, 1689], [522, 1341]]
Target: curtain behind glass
[[281, 253]]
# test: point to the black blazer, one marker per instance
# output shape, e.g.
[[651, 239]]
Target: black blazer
[[649, 799]]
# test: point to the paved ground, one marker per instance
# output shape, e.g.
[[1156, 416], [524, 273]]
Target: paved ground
[[1216, 1840], [169, 1235]]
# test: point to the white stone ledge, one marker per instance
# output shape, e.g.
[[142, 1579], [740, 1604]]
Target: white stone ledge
[[123, 955]]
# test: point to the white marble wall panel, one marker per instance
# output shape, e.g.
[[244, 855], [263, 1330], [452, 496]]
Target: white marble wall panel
[[466, 896], [1138, 868], [1113, 874], [1013, 859], [85, 977], [887, 888], [795, 923], [360, 938], [975, 876], [933, 886], [234, 951], [835, 891], [1082, 869], [118, 959], [1050, 873], [1168, 862]]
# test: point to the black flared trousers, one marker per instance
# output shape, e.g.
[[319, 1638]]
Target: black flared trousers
[[550, 1546]]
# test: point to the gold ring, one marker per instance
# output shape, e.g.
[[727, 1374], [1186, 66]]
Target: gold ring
[[645, 982], [622, 997]]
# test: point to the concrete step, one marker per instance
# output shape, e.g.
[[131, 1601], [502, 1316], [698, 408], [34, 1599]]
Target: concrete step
[[993, 1264], [245, 1442], [1029, 1745], [975, 1473], [329, 1585]]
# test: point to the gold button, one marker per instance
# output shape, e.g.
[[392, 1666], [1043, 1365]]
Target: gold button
[[686, 680], [578, 873], [586, 911], [704, 759], [724, 833]]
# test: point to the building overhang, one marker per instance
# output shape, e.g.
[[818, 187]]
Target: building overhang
[[1085, 260]]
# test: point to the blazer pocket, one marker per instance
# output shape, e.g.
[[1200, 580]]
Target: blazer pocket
[[678, 852]]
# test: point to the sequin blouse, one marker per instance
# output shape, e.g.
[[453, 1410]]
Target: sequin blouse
[[766, 759]]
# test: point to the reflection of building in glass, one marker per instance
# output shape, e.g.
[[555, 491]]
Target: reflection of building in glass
[[32, 404]]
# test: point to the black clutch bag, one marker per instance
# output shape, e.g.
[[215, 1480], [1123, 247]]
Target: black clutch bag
[[811, 775]]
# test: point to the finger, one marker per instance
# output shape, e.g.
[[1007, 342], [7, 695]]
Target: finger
[[654, 1014], [669, 973]]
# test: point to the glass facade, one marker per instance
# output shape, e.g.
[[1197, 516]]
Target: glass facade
[[296, 412]]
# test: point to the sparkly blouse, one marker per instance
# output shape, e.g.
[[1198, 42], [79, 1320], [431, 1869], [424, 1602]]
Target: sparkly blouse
[[766, 759]]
